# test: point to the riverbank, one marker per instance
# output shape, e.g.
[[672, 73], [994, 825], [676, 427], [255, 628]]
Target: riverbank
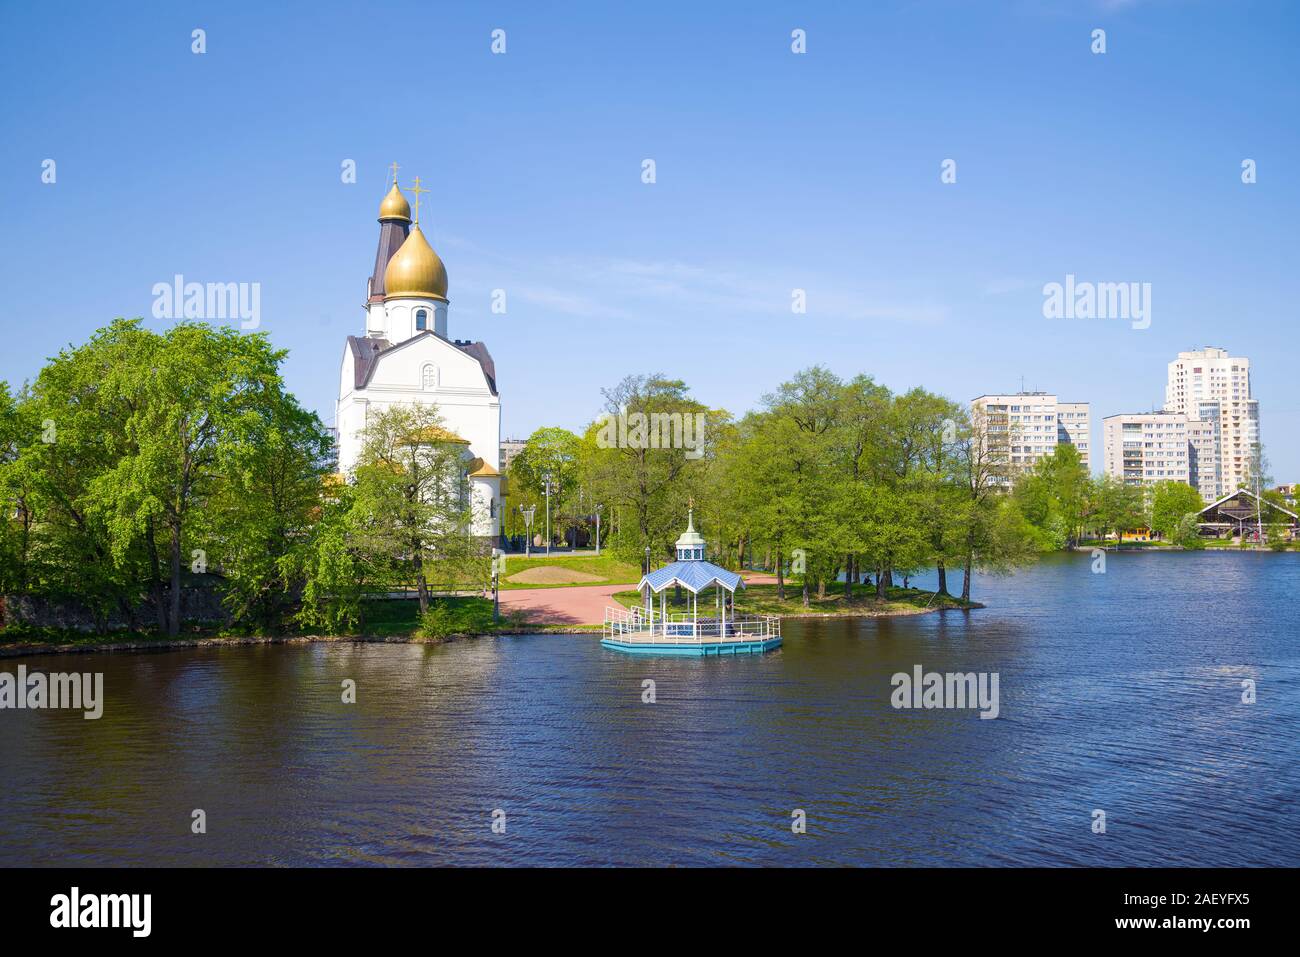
[[112, 643], [760, 598], [394, 621]]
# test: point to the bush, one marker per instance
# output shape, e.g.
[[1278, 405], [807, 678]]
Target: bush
[[437, 622], [456, 617]]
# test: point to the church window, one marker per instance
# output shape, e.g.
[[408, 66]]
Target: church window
[[421, 319], [429, 377]]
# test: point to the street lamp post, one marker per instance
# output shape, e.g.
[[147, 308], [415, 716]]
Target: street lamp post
[[547, 479], [497, 556], [527, 513], [598, 508]]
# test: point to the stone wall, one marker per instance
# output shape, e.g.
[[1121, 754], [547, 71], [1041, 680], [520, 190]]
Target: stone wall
[[199, 604]]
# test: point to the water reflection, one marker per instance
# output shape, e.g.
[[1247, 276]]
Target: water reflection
[[1118, 691]]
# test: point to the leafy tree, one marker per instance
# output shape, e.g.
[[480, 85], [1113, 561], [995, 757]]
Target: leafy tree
[[645, 479], [260, 517], [549, 452], [1170, 503], [1117, 506], [410, 509]]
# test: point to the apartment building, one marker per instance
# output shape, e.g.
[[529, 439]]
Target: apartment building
[[1210, 385], [1074, 427], [509, 449], [1030, 425], [1143, 448]]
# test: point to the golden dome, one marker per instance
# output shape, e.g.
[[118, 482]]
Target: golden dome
[[415, 270], [395, 206]]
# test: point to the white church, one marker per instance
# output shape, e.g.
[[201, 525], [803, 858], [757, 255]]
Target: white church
[[407, 358]]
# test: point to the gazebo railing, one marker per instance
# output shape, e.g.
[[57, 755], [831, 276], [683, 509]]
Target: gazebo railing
[[633, 624]]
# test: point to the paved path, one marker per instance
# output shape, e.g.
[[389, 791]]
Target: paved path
[[572, 605], [579, 604]]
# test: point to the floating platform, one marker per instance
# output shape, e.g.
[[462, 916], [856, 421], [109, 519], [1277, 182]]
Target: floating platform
[[635, 631], [691, 649]]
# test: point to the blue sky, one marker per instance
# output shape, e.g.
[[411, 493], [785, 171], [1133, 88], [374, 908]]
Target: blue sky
[[775, 171]]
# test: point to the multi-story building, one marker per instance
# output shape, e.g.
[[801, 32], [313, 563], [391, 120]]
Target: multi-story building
[[509, 449], [1204, 469], [1030, 425], [1074, 427], [1143, 448], [1213, 386]]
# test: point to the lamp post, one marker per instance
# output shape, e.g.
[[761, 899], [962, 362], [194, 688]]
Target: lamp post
[[547, 479], [647, 559], [527, 513], [598, 508], [497, 557]]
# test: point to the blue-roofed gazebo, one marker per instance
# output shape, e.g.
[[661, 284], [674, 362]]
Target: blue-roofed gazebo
[[643, 630]]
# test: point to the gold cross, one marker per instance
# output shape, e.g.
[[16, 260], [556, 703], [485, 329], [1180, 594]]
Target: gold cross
[[394, 169], [417, 191]]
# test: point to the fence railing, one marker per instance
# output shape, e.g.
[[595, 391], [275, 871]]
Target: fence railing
[[634, 624]]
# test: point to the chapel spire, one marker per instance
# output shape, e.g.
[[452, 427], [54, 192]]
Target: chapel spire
[[394, 226]]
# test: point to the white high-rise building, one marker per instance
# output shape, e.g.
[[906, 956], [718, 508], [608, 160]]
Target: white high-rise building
[[1030, 425], [1074, 426], [1143, 448], [1212, 386]]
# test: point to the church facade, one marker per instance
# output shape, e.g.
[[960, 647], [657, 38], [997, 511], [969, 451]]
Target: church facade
[[407, 357]]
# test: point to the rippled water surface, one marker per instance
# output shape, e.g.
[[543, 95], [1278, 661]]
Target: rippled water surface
[[1119, 692]]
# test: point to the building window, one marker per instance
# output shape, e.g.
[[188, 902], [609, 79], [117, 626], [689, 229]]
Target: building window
[[429, 377], [421, 319]]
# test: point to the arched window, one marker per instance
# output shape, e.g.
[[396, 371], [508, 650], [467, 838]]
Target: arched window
[[421, 319], [429, 376]]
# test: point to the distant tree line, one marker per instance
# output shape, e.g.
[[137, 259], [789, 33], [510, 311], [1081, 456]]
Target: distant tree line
[[835, 481], [143, 462]]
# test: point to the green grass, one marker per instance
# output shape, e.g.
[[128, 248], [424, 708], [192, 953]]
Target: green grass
[[606, 566], [762, 600]]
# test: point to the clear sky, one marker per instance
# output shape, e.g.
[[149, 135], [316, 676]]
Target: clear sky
[[775, 171]]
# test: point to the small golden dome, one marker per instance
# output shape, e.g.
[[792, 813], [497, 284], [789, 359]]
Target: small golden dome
[[415, 270], [395, 206]]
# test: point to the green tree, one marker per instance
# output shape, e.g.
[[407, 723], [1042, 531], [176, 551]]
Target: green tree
[[553, 453], [1170, 503], [410, 506], [637, 470], [260, 516]]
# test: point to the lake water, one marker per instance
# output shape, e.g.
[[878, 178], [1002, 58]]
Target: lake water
[[1119, 692]]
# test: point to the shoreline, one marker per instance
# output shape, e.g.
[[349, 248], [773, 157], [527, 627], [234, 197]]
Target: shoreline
[[19, 650]]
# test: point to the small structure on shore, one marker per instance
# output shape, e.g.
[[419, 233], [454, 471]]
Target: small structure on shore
[[643, 631], [1243, 514]]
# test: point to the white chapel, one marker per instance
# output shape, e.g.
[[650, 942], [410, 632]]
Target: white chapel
[[406, 357]]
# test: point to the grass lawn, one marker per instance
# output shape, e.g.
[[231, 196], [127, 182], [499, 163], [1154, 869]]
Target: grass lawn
[[762, 600], [588, 569], [1112, 544]]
